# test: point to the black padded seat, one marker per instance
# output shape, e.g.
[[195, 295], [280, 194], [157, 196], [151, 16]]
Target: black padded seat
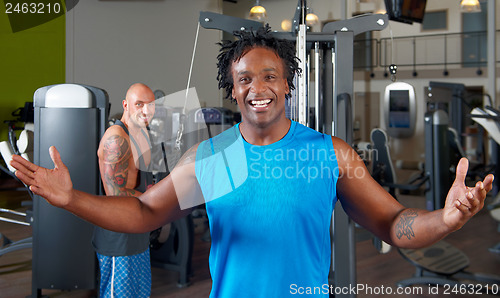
[[440, 258]]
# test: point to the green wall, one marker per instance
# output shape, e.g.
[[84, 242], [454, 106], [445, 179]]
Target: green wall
[[30, 59]]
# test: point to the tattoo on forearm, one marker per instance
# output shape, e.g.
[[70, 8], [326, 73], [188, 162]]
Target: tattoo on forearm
[[404, 227]]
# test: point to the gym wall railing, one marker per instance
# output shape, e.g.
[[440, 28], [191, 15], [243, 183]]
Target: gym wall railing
[[433, 51]]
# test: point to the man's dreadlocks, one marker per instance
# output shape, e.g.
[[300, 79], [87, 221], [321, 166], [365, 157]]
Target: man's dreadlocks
[[232, 51]]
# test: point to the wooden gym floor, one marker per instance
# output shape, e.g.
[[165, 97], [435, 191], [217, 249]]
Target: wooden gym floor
[[373, 269]]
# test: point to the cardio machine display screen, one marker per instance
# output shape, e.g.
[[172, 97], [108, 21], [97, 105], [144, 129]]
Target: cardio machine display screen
[[399, 108]]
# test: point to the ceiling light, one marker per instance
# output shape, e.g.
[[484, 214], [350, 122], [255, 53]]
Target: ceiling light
[[257, 12], [311, 18], [286, 25], [470, 6]]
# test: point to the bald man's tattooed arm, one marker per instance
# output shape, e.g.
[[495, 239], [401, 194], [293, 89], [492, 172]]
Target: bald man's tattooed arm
[[116, 157]]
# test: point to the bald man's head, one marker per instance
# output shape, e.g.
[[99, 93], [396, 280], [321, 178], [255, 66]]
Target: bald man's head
[[138, 105]]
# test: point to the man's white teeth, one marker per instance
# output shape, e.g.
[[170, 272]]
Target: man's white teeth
[[260, 103]]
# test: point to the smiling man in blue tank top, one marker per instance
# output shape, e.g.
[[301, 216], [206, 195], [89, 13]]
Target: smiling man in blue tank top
[[269, 184]]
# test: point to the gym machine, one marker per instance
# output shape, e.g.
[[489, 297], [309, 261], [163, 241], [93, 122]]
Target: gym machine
[[72, 118], [437, 158], [172, 248], [383, 169], [453, 106], [400, 109], [489, 119], [331, 53], [24, 147], [174, 252], [204, 123]]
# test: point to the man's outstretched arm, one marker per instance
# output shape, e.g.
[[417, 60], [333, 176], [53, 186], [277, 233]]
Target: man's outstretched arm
[[127, 214], [370, 205], [462, 203]]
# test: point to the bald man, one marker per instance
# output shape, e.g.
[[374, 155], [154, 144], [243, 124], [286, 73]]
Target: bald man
[[124, 157]]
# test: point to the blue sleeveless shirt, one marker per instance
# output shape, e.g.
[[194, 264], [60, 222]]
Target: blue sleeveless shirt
[[269, 209]]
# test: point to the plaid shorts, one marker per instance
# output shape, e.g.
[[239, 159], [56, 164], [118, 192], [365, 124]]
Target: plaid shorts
[[125, 276]]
